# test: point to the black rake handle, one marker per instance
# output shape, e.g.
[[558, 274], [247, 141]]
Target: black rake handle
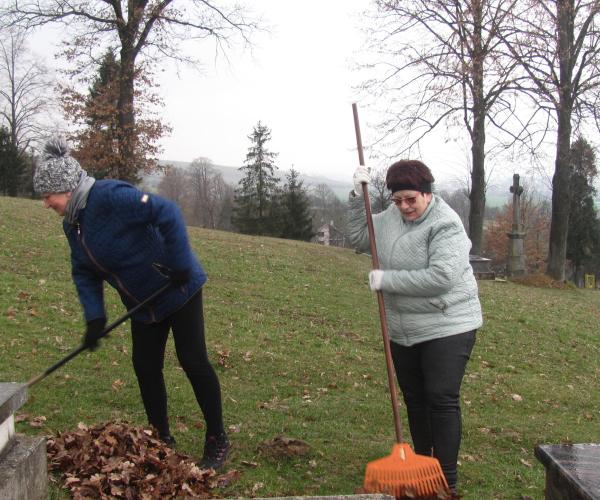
[[105, 332]]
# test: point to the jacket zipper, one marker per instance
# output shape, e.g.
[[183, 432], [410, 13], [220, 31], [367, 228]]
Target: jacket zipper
[[105, 271]]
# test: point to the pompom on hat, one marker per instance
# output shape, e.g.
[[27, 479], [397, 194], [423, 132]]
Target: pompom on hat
[[58, 171]]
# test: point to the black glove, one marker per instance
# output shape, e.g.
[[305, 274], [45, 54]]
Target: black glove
[[179, 277], [93, 333]]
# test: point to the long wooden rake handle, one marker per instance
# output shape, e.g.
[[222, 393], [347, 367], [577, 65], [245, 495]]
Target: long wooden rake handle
[[375, 259]]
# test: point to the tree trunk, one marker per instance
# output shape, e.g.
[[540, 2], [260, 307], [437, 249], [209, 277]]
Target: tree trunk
[[560, 181], [126, 136], [477, 194], [559, 225]]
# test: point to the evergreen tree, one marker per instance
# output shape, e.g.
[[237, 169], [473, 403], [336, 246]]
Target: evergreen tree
[[256, 196], [12, 165], [583, 238], [99, 115], [296, 220]]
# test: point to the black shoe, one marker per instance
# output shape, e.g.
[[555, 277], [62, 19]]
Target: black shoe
[[215, 453], [167, 439]]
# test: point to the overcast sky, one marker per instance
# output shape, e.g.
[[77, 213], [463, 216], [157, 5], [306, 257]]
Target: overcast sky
[[298, 80]]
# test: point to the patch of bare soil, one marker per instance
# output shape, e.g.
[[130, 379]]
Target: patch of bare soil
[[541, 281]]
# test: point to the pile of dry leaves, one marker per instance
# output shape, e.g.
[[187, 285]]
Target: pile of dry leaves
[[116, 460]]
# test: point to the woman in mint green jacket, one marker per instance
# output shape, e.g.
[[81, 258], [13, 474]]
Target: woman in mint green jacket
[[431, 302]]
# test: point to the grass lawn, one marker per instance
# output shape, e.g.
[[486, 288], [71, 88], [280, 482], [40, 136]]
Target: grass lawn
[[294, 334]]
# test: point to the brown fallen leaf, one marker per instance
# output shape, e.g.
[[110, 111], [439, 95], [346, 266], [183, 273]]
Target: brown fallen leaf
[[117, 385], [37, 421], [223, 357], [525, 463], [116, 460], [11, 313], [249, 464], [181, 427]]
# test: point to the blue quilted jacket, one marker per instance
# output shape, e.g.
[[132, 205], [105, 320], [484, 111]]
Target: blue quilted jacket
[[117, 237]]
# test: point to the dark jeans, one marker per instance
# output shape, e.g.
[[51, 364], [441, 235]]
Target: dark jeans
[[430, 375], [148, 354]]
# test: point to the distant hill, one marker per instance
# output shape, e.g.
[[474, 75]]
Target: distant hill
[[232, 176], [497, 194]]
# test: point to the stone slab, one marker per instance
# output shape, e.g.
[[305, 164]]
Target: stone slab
[[572, 470], [374, 496], [12, 397], [482, 267], [7, 431], [23, 469]]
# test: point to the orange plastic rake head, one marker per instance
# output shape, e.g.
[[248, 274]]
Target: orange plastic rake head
[[406, 474]]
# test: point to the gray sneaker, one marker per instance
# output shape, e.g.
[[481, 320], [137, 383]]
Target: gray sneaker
[[167, 439], [215, 453]]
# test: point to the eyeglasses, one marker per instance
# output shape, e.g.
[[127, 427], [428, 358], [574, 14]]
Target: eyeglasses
[[411, 200]]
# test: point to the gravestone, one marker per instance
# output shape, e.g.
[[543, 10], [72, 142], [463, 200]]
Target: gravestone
[[482, 268], [572, 470], [515, 265], [23, 473]]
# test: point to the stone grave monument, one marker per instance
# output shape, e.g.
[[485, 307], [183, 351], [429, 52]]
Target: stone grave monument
[[515, 265], [23, 473]]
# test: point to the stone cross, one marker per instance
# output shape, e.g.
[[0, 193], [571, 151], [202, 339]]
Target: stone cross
[[517, 191], [515, 265]]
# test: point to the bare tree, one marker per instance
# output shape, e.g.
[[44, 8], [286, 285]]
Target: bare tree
[[24, 90], [327, 207], [207, 193], [378, 191], [557, 43], [442, 62], [459, 202], [225, 194], [143, 30], [174, 185]]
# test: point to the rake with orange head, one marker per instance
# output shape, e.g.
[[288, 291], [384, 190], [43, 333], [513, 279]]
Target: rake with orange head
[[402, 473]]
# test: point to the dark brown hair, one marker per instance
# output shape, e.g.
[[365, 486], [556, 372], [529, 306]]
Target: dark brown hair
[[409, 174]]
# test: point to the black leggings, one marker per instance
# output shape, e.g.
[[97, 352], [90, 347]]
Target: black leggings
[[430, 375], [148, 354]]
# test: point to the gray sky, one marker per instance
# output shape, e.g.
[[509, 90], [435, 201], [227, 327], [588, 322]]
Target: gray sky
[[298, 80]]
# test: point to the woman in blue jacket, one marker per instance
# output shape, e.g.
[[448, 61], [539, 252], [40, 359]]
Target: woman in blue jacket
[[119, 234]]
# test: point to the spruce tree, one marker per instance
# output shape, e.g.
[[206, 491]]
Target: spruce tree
[[12, 165], [583, 237], [296, 220], [256, 196]]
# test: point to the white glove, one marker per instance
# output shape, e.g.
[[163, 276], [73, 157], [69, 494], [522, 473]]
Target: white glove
[[361, 175], [376, 279]]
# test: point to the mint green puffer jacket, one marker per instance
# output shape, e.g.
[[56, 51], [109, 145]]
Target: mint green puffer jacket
[[428, 285]]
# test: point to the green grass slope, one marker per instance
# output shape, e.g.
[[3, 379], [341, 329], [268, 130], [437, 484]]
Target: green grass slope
[[294, 334]]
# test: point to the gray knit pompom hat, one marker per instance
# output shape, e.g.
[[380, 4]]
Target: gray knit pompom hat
[[58, 171]]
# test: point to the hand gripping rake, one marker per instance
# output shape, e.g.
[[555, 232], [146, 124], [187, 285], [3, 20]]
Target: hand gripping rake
[[403, 473], [105, 332]]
